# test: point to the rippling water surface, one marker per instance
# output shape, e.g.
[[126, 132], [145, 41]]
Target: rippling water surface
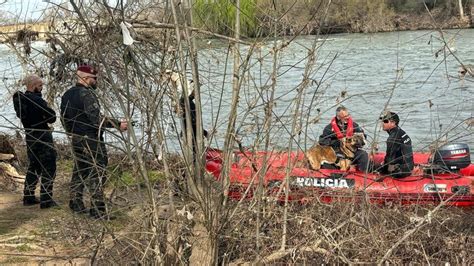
[[397, 69]]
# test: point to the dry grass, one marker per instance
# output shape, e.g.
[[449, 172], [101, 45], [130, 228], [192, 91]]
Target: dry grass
[[317, 233], [338, 233], [154, 225]]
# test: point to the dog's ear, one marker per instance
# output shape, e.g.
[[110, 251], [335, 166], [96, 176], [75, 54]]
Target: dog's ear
[[359, 140], [351, 141]]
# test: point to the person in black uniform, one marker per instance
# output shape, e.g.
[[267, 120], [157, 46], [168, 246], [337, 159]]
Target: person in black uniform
[[398, 161], [35, 114], [192, 114], [342, 126], [81, 118]]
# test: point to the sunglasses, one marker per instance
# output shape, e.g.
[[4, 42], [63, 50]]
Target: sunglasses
[[386, 121]]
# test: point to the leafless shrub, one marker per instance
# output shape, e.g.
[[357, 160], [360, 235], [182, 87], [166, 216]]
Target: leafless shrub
[[201, 224]]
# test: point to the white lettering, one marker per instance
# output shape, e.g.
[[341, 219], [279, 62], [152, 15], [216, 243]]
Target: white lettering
[[435, 188], [300, 181], [343, 183], [329, 182], [458, 152], [321, 182]]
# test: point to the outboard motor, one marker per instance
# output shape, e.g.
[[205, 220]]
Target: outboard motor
[[450, 157]]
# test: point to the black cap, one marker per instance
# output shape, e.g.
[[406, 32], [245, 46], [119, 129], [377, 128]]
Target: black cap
[[391, 116]]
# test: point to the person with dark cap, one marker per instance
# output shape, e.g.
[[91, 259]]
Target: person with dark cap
[[35, 115], [398, 161], [343, 126], [82, 120]]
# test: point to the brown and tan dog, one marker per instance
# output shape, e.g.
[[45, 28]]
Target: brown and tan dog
[[317, 155]]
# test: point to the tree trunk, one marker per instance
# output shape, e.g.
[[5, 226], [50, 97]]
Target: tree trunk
[[461, 10], [204, 246]]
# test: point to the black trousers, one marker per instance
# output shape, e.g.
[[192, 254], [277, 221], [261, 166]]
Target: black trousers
[[90, 162], [42, 165], [400, 171], [361, 160], [205, 134]]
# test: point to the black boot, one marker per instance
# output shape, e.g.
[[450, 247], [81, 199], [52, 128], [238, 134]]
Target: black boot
[[76, 205], [30, 200], [48, 204], [46, 199], [99, 211]]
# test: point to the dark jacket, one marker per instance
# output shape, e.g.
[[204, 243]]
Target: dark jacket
[[192, 107], [329, 138], [399, 152], [80, 113], [34, 113]]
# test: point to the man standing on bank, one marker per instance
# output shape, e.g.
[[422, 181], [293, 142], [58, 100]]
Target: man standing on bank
[[398, 161], [81, 118], [35, 114]]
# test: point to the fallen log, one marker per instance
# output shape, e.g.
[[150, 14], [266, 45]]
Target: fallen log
[[9, 170], [6, 157]]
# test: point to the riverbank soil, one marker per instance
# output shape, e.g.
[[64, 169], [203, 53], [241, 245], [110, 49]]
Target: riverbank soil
[[31, 235], [425, 21], [384, 22]]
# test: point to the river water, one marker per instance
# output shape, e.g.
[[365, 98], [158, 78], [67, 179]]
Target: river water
[[399, 70]]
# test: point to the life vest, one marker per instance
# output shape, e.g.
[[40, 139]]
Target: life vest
[[337, 131]]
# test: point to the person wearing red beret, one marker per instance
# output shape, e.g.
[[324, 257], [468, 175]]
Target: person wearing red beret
[[84, 123]]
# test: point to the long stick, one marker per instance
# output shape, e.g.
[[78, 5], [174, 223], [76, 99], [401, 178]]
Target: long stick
[[230, 133]]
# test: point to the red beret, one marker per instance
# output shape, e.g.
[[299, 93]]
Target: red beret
[[87, 69]]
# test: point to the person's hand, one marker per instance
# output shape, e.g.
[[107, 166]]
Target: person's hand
[[376, 147], [393, 167], [417, 170], [380, 178], [123, 125]]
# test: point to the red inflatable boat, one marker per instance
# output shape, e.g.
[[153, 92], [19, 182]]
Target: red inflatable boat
[[451, 183]]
